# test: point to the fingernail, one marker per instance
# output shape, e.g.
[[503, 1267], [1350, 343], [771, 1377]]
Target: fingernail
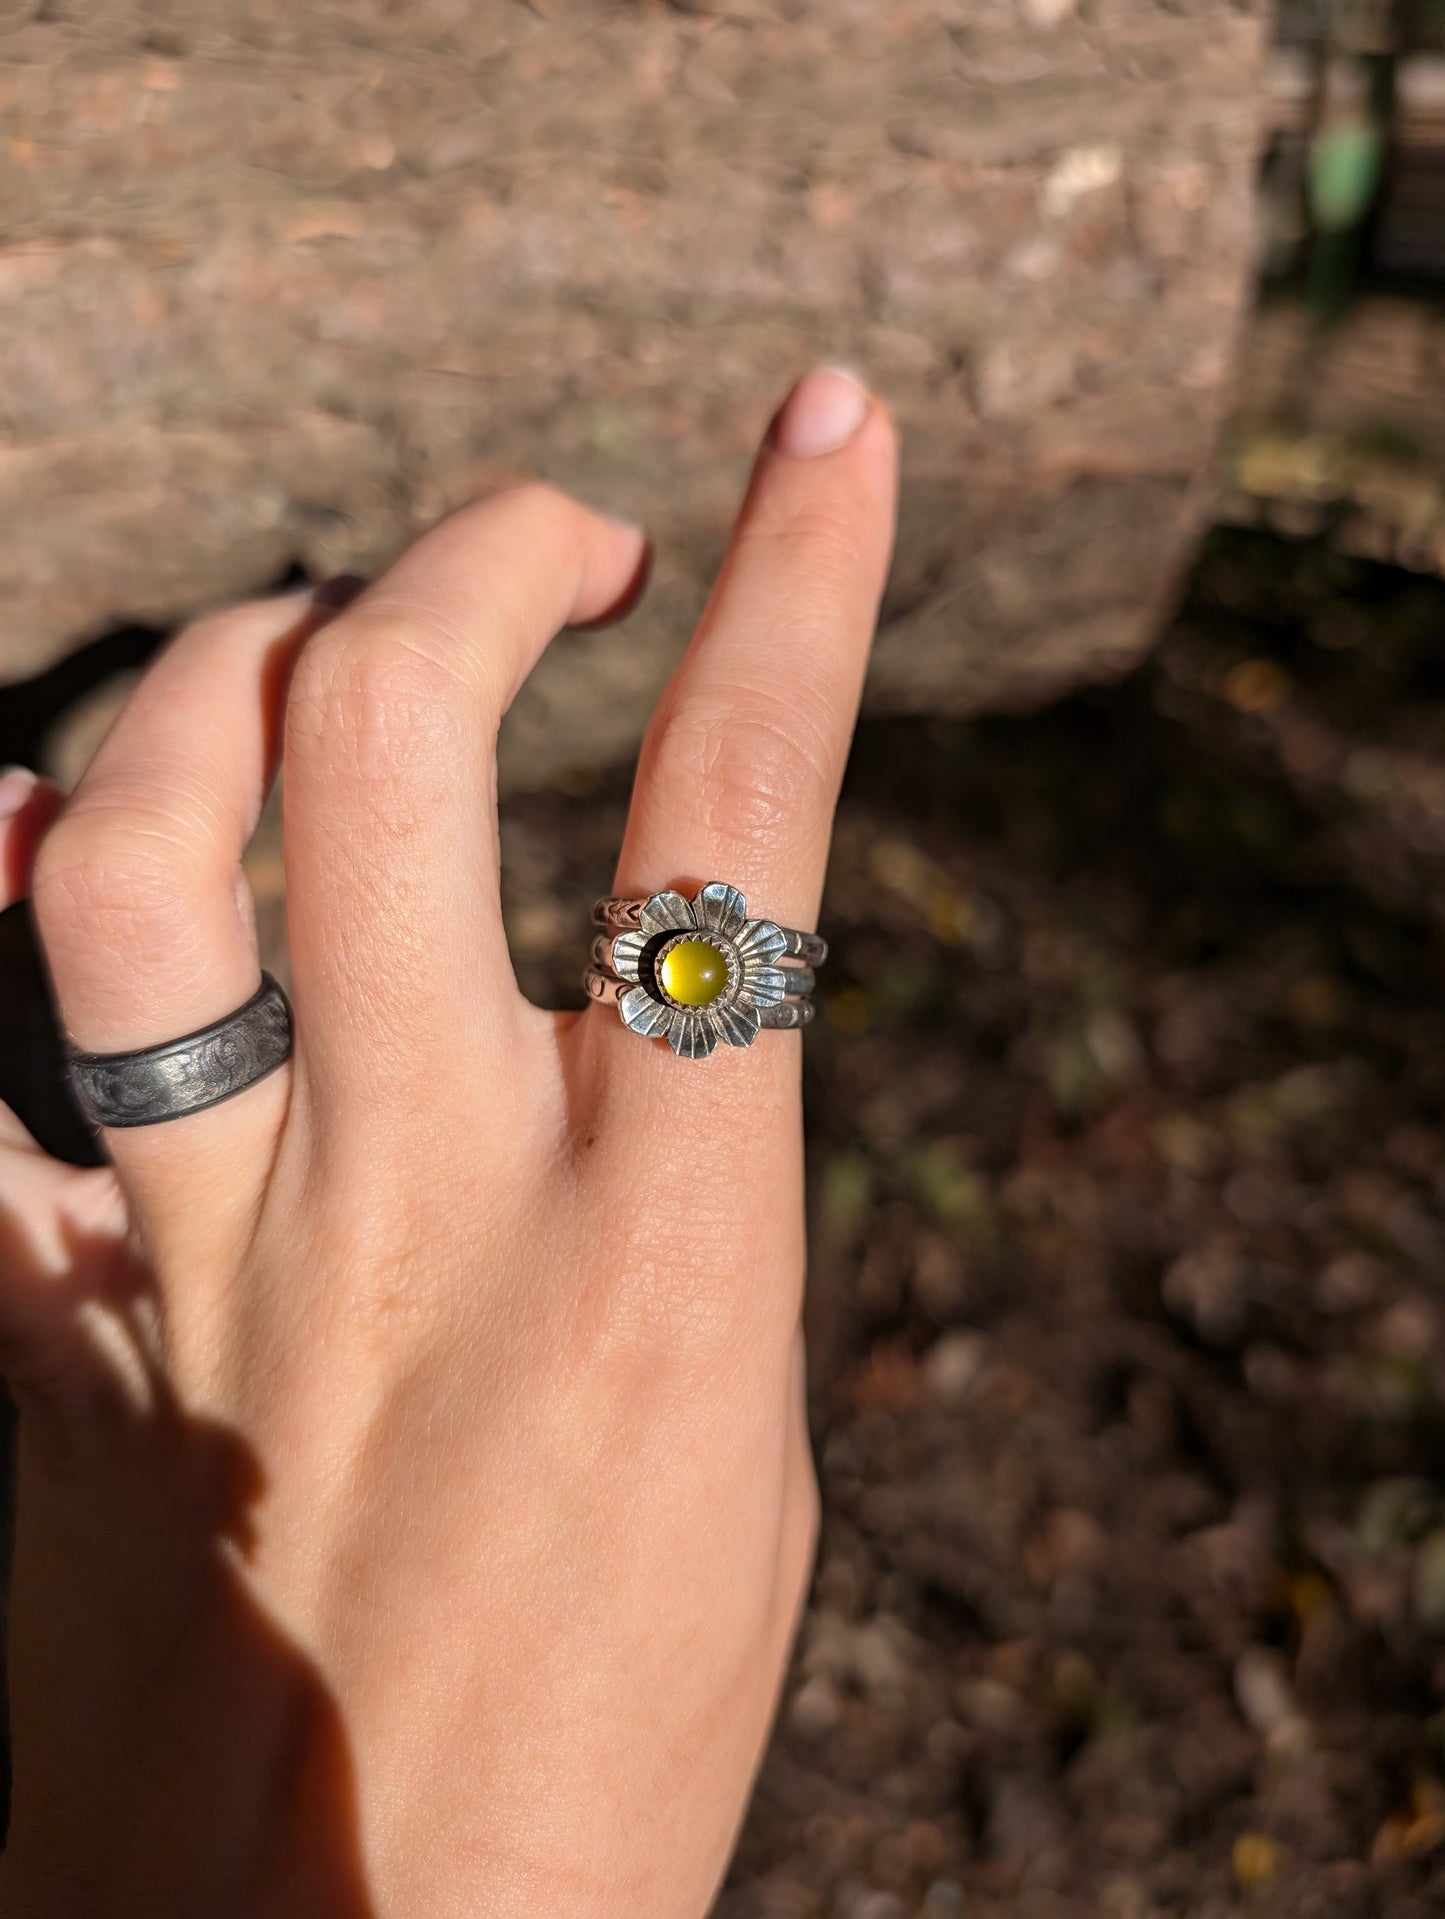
[[339, 591], [17, 783], [822, 413], [631, 593]]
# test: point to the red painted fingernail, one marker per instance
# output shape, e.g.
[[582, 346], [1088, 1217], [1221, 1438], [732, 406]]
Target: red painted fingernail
[[17, 783], [821, 414]]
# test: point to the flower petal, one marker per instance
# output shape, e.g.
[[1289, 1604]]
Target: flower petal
[[643, 1013], [740, 1024], [666, 913], [761, 941], [627, 951], [763, 986], [721, 907], [693, 1036]]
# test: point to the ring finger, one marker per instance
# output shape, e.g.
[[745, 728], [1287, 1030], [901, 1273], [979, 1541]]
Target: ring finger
[[740, 769]]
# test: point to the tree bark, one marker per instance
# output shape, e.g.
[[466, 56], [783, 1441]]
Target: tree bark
[[280, 283]]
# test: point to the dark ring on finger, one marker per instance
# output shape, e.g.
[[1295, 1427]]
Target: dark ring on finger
[[186, 1075]]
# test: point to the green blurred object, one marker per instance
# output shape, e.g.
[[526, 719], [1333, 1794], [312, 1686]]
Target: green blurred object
[[847, 1191], [1344, 175], [953, 1193]]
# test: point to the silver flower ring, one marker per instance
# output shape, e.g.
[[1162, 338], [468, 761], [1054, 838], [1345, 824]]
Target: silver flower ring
[[697, 972]]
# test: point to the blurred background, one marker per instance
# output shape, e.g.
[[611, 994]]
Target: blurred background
[[1127, 1179]]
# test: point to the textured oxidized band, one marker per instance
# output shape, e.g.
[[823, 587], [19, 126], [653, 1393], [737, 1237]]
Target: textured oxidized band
[[186, 1075]]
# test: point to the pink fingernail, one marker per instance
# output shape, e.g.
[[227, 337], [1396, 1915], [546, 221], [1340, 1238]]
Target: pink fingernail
[[822, 413], [17, 783]]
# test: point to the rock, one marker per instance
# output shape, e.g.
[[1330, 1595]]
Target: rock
[[1210, 1288], [990, 1706], [1025, 1818], [1350, 1281], [814, 1708], [1266, 1698], [952, 1365], [864, 1902], [943, 1900], [873, 1655]]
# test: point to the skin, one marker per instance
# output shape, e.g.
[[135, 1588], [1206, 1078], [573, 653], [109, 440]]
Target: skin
[[416, 1501]]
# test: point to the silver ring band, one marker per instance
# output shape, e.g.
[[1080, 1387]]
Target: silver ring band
[[787, 1015], [188, 1074], [624, 915]]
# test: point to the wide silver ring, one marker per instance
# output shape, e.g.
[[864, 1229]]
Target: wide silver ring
[[654, 961], [186, 1075]]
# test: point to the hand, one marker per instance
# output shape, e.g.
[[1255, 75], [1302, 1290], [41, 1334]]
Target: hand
[[415, 1495]]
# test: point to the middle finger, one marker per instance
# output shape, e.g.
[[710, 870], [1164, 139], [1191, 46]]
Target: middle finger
[[398, 958]]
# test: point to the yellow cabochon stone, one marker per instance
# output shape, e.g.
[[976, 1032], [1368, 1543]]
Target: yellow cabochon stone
[[693, 973]]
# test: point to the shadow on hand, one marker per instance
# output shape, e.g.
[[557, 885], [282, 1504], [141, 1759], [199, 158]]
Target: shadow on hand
[[173, 1751], [34, 707]]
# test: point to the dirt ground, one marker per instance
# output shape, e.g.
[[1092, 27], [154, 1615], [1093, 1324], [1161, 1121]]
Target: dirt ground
[[1128, 1345]]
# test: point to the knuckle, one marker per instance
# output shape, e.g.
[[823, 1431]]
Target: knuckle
[[126, 876], [820, 536], [527, 517], [376, 694], [534, 501], [750, 764], [545, 524]]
